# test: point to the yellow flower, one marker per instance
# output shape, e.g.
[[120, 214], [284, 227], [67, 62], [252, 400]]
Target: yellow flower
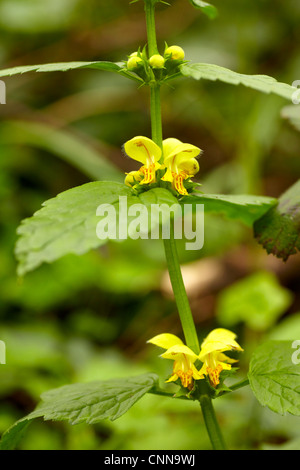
[[183, 358], [211, 354], [144, 150], [180, 161]]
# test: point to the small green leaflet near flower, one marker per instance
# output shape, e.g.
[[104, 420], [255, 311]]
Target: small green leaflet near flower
[[274, 379], [84, 403]]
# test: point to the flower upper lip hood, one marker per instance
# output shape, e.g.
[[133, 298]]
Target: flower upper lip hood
[[146, 151], [220, 340], [211, 354], [180, 161]]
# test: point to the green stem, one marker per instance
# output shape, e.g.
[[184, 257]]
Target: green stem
[[180, 295], [234, 387], [241, 384], [155, 104], [151, 30], [210, 419], [162, 393], [156, 121], [181, 299]]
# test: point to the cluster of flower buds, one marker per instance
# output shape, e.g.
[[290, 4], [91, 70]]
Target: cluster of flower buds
[[157, 67]]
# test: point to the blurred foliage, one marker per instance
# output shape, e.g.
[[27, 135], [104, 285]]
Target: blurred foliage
[[258, 301], [88, 318]]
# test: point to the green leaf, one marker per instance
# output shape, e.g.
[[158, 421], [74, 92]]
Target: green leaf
[[84, 403], [278, 231], [11, 438], [292, 114], [258, 301], [208, 9], [261, 83], [245, 208], [61, 67], [94, 401], [63, 144], [274, 379], [67, 223]]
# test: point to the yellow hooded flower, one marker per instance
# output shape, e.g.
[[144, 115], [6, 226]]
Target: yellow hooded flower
[[144, 150], [211, 354], [180, 161], [183, 358]]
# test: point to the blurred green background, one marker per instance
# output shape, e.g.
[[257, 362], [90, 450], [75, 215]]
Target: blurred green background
[[89, 318]]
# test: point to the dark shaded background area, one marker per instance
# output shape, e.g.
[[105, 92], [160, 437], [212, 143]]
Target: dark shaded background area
[[89, 318]]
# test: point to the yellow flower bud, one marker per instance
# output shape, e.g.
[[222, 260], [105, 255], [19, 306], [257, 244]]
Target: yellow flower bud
[[133, 178], [134, 62], [133, 54], [157, 61], [176, 52]]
